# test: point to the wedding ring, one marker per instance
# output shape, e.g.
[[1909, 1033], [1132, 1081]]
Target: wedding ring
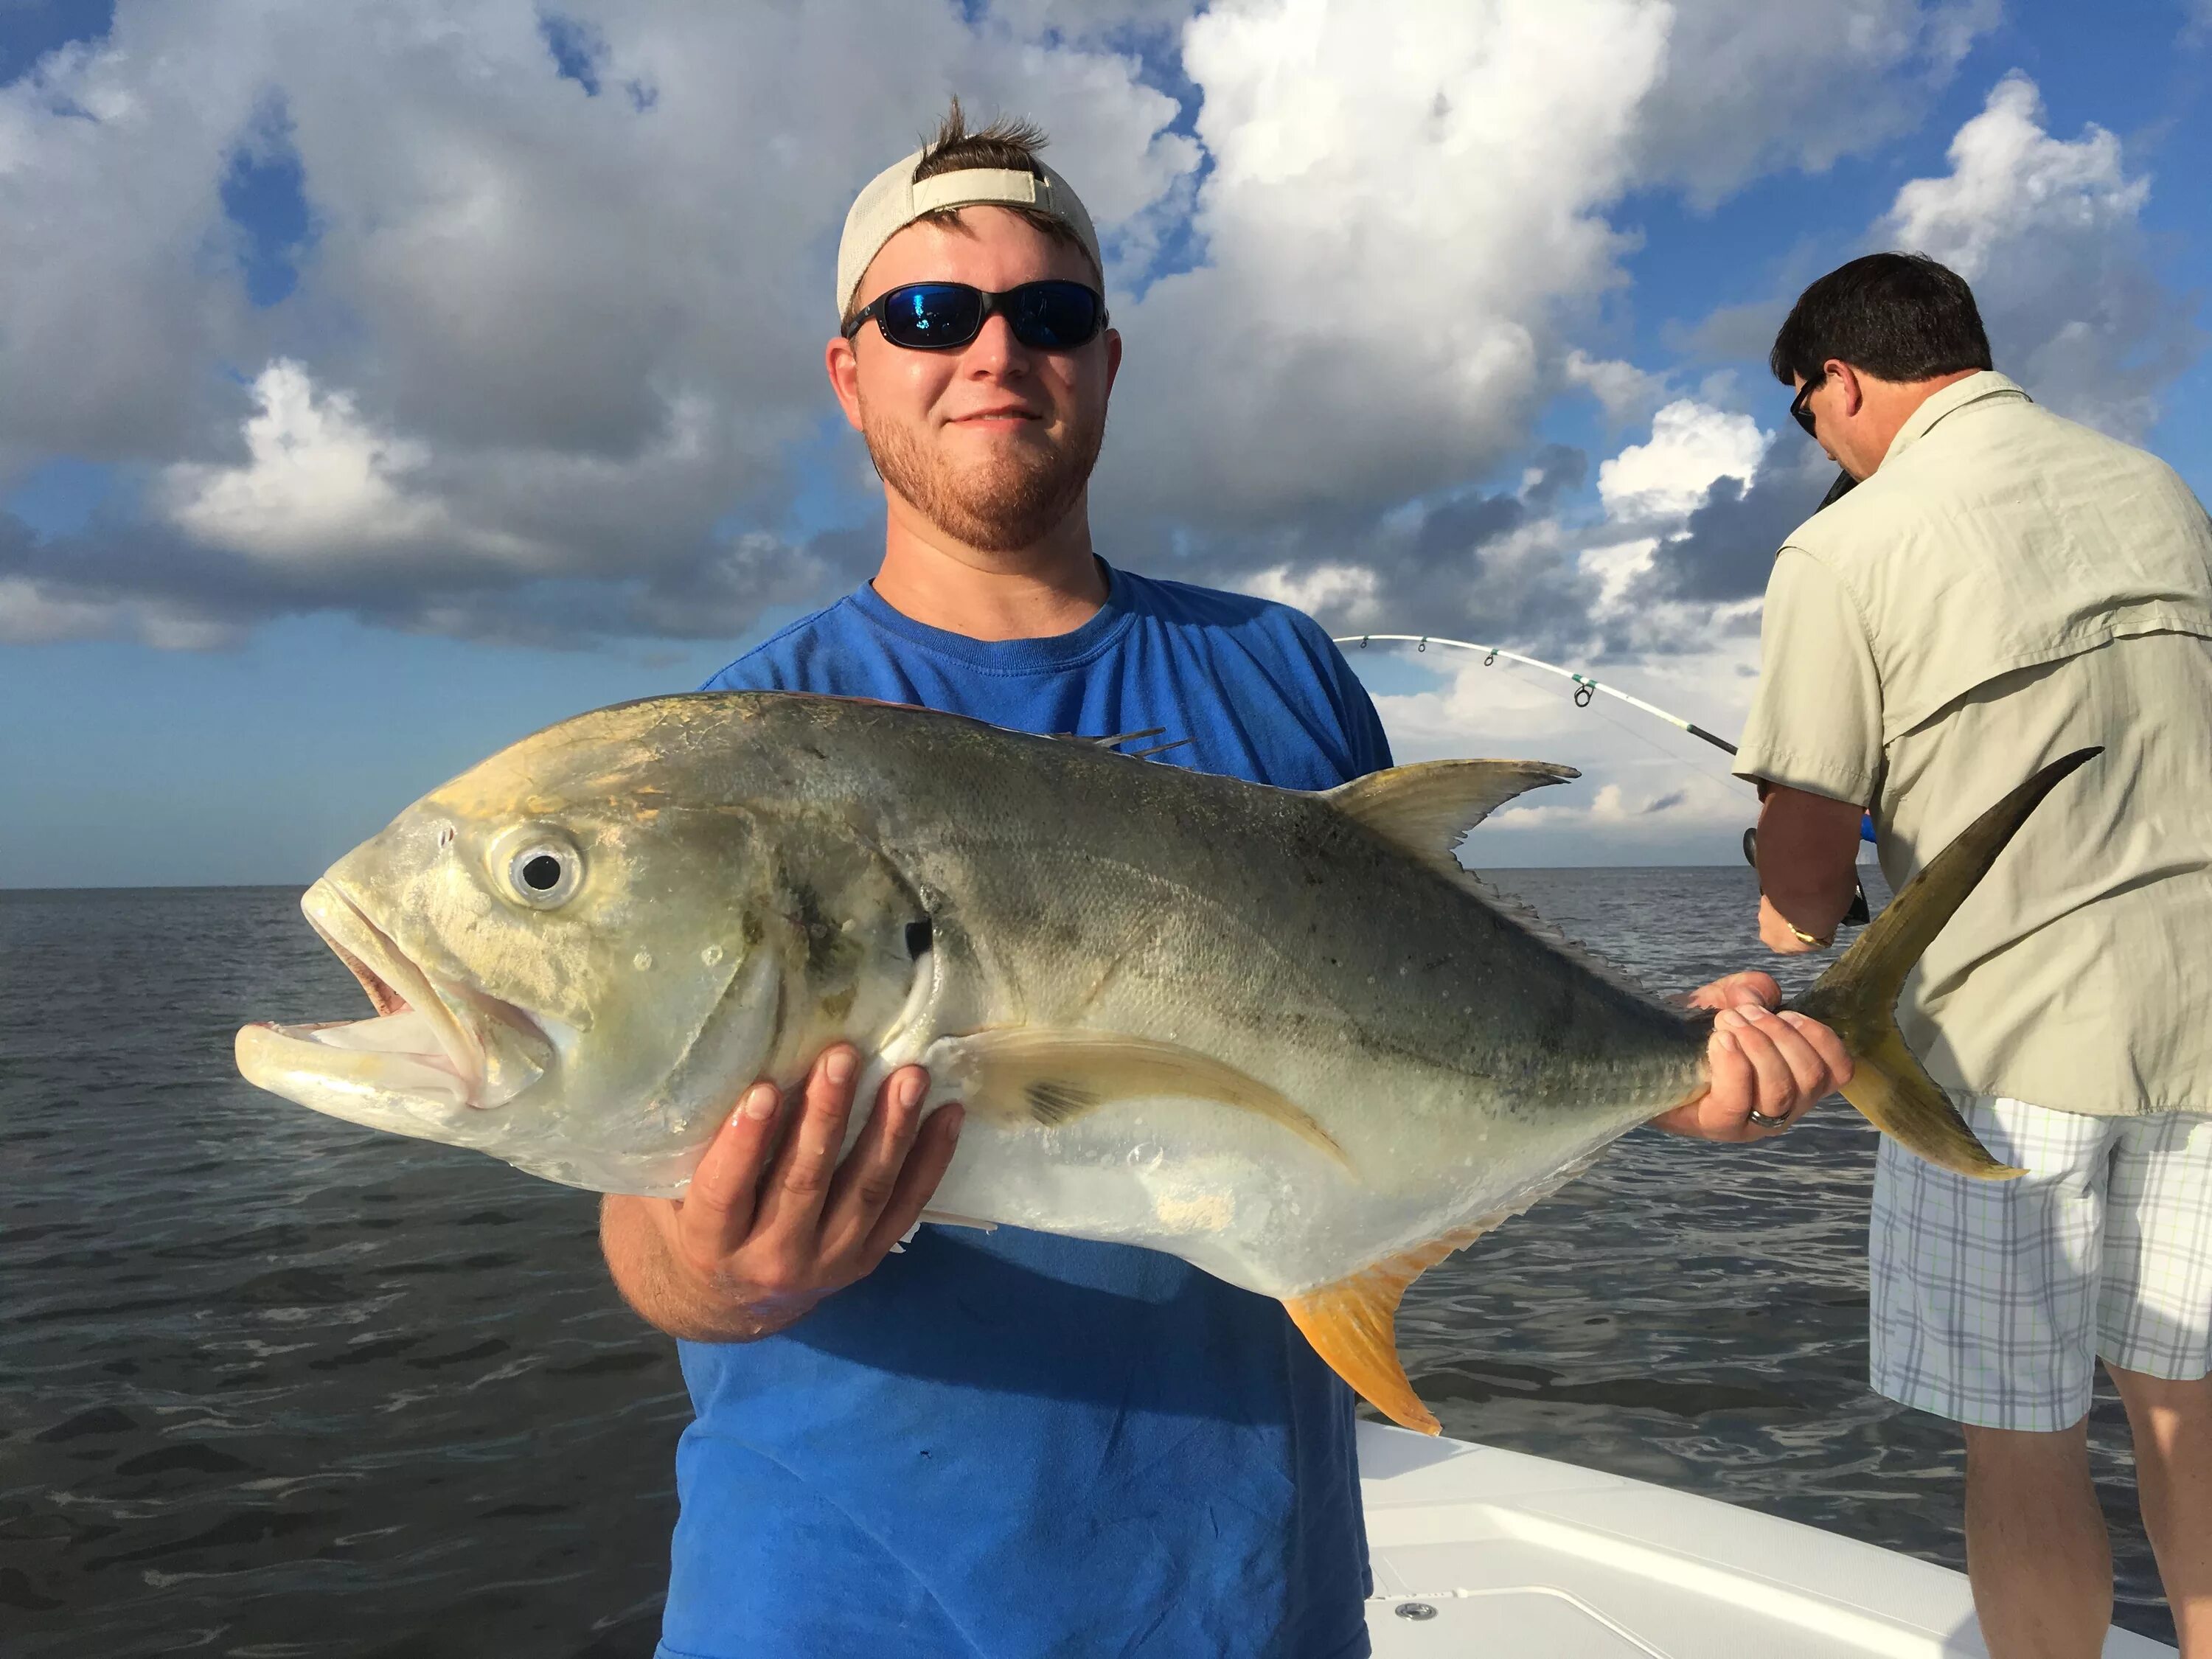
[[1767, 1122]]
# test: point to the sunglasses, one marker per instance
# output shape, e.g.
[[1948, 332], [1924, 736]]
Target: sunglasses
[[1799, 410], [942, 316]]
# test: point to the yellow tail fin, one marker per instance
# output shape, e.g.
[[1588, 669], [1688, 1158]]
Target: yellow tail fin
[[1857, 998]]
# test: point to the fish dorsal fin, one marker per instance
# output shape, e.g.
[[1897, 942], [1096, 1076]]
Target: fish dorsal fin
[[1425, 808], [1353, 1323], [1023, 1075]]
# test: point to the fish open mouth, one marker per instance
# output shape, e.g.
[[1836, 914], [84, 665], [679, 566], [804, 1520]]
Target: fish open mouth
[[438, 1043]]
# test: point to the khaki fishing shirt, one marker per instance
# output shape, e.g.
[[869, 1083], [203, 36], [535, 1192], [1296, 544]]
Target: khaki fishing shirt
[[2009, 586]]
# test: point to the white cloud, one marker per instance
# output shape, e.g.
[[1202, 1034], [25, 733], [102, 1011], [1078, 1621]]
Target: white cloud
[[1347, 593], [1626, 393], [1649, 489], [1692, 446], [1393, 219], [1752, 86], [32, 613], [558, 330], [320, 485], [2049, 231], [543, 333], [2010, 181], [1646, 792], [1610, 807]]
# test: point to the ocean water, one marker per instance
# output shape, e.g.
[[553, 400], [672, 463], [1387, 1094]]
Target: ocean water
[[270, 1385]]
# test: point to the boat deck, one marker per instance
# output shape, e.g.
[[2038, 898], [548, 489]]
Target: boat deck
[[1479, 1551]]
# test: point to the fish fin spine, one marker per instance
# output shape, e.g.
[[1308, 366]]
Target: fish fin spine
[[1054, 1076], [1352, 1324], [1857, 998], [1425, 808]]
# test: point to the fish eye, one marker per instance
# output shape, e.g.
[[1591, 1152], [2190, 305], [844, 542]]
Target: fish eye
[[543, 871]]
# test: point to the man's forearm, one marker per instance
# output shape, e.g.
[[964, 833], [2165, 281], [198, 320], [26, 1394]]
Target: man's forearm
[[663, 1293], [1808, 857]]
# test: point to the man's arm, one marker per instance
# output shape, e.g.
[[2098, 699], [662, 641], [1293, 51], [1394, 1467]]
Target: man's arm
[[766, 1230], [1808, 850], [1813, 744]]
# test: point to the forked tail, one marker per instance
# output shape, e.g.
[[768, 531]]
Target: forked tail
[[1353, 1323], [1857, 998]]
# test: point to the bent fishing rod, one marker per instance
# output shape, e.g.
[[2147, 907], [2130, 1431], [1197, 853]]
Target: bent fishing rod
[[1587, 688]]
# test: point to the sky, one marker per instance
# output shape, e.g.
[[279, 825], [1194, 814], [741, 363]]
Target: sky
[[380, 383]]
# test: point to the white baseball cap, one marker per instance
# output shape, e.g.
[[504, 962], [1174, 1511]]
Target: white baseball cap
[[894, 199]]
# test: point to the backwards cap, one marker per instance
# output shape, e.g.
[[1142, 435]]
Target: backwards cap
[[894, 199]]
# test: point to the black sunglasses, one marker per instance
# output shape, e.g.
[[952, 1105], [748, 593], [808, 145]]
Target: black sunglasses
[[1799, 411], [1049, 316]]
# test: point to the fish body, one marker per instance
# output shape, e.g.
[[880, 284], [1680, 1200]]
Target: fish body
[[1280, 1034]]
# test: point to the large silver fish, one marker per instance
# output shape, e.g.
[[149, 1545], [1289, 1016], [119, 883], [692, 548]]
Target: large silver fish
[[1281, 1036]]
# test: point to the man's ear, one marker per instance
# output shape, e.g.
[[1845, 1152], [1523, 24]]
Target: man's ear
[[840, 358], [1851, 391], [1113, 356]]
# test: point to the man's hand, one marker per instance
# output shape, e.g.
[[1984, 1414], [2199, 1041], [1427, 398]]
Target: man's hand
[[1777, 1065], [766, 1230]]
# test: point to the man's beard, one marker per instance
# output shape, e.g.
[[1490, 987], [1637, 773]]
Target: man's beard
[[1002, 506]]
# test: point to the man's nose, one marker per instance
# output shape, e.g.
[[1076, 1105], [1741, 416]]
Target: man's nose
[[994, 350]]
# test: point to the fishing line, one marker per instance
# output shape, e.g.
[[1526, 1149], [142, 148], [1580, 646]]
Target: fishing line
[[1588, 688]]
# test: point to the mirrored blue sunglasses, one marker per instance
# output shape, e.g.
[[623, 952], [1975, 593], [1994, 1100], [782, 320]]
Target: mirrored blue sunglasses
[[1049, 316]]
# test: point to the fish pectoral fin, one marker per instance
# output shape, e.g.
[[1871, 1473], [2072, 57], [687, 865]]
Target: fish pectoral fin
[[1353, 1323], [1021, 1074], [946, 1219], [1425, 809]]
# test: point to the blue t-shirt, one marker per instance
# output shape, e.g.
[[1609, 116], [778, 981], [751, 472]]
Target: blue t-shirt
[[1009, 1445]]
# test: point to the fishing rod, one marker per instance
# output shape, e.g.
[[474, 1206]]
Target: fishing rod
[[1586, 690], [1585, 687]]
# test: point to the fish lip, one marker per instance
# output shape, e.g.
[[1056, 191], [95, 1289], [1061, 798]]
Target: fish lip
[[396, 983]]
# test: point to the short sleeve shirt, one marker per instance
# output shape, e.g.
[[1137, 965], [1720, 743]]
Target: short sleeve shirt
[[2009, 587], [1008, 1445]]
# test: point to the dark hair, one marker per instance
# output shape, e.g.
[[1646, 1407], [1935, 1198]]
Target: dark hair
[[1008, 142], [1896, 316]]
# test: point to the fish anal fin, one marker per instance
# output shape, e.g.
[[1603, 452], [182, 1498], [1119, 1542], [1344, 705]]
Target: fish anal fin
[[1354, 1324], [1023, 1075], [1425, 809]]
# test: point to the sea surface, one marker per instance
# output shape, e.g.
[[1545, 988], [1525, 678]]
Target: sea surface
[[272, 1385]]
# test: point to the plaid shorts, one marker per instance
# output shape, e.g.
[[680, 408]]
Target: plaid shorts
[[1992, 1300]]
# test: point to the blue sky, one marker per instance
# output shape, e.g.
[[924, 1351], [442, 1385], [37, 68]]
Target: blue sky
[[371, 396]]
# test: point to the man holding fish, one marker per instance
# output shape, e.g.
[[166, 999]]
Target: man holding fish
[[1233, 1047], [1012, 1442]]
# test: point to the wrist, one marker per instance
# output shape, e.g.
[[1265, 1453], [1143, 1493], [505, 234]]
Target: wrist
[[663, 1288], [1781, 934]]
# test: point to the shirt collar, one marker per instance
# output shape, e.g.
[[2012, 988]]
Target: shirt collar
[[1987, 383], [1050, 653]]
